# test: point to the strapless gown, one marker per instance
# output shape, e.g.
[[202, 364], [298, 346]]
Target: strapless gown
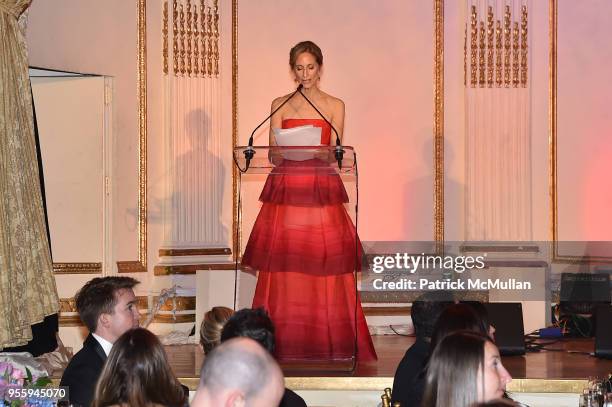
[[303, 245]]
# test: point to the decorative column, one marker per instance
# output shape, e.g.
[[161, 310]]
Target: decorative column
[[194, 172], [498, 122]]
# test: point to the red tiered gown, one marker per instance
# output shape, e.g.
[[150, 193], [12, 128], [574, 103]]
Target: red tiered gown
[[303, 245]]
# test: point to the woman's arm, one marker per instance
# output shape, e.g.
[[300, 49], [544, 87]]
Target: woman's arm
[[338, 118]]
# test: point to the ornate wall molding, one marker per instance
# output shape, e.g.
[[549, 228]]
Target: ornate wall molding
[[439, 120], [77, 268], [498, 56], [557, 256], [140, 265], [185, 306], [194, 34]]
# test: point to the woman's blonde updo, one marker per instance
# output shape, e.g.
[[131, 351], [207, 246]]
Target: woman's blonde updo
[[212, 325]]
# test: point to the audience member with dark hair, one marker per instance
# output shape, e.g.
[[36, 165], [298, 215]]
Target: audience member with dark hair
[[239, 372], [457, 317], [137, 374], [409, 380], [465, 368], [107, 306], [212, 325], [482, 313], [257, 325]]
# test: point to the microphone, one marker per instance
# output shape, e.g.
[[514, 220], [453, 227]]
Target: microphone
[[249, 152], [339, 151]]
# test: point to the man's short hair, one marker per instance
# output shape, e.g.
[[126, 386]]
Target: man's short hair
[[231, 366], [98, 296], [426, 309], [251, 323]]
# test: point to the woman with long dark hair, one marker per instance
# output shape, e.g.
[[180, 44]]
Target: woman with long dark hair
[[464, 369], [137, 374]]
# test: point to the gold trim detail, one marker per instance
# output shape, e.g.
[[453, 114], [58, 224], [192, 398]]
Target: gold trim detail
[[196, 42], [515, 55], [481, 55], [163, 270], [70, 320], [379, 383], [524, 46], [176, 304], [547, 385], [175, 46], [189, 32], [574, 386], [215, 35], [203, 251], [473, 47], [209, 46], [130, 267], [165, 38], [75, 320], [507, 45], [202, 38], [490, 47], [174, 319], [77, 268], [386, 311], [142, 132], [67, 305], [439, 121], [179, 303], [498, 58]]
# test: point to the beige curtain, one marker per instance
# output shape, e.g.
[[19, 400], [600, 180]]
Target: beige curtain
[[27, 285]]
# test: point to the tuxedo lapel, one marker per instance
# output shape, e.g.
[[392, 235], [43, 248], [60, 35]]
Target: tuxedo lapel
[[94, 345]]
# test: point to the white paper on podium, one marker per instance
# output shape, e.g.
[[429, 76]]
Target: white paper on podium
[[298, 136]]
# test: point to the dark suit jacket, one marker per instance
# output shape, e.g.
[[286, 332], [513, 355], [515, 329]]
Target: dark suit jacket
[[409, 380], [83, 372], [291, 399]]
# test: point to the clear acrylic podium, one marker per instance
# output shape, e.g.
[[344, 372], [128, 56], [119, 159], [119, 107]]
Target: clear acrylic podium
[[297, 231]]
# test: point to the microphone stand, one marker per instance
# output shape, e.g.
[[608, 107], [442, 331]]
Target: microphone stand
[[339, 151], [249, 152]]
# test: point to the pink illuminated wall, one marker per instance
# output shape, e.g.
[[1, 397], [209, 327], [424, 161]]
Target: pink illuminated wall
[[584, 121], [378, 58]]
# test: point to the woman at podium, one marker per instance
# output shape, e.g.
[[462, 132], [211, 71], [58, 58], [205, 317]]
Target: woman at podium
[[303, 241]]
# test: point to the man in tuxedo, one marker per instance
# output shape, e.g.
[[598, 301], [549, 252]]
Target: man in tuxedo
[[239, 372], [257, 325], [107, 306]]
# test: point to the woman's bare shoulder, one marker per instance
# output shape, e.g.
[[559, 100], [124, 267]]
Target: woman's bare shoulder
[[334, 102], [276, 102]]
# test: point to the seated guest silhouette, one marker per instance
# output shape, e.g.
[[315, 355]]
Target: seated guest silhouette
[[464, 369], [457, 317], [239, 372], [107, 307], [137, 374], [409, 380], [257, 325]]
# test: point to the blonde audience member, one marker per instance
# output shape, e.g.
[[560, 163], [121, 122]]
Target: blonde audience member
[[212, 325]]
